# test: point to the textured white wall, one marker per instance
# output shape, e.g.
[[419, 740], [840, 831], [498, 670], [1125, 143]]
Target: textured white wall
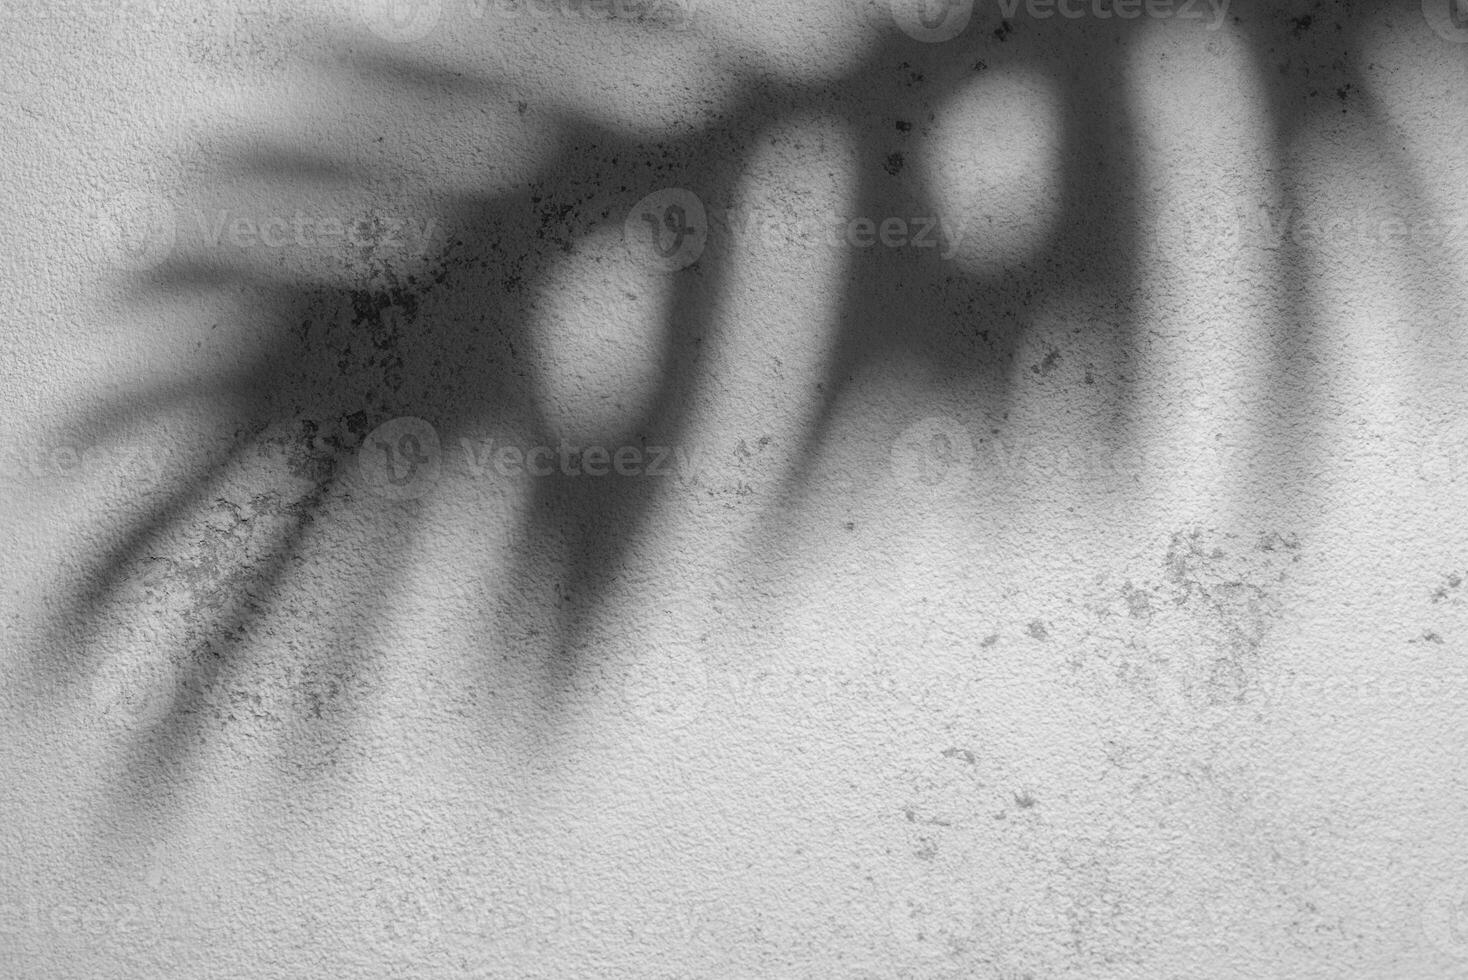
[[1078, 595]]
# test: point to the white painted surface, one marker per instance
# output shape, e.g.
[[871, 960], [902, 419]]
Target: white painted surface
[[1151, 665]]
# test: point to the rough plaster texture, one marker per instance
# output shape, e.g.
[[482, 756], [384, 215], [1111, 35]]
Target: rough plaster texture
[[1080, 596]]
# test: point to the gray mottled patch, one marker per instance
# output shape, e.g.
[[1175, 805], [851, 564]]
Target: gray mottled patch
[[1187, 637]]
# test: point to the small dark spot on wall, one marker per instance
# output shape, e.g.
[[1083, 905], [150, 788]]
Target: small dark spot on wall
[[1451, 583], [1003, 31], [1302, 24], [894, 164], [1090, 378], [990, 640], [965, 754], [903, 126], [1037, 630], [980, 66], [850, 525], [1047, 365], [1024, 799], [1430, 637]]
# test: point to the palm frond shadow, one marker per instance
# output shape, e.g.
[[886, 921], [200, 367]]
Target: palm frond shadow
[[452, 344]]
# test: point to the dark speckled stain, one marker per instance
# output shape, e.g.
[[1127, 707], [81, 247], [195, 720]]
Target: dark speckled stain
[[1450, 585], [894, 164], [213, 578], [1214, 589], [913, 75], [1002, 32], [1037, 630], [1238, 611], [384, 316], [1048, 364]]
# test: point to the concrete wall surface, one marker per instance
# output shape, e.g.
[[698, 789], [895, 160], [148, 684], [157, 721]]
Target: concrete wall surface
[[740, 488]]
